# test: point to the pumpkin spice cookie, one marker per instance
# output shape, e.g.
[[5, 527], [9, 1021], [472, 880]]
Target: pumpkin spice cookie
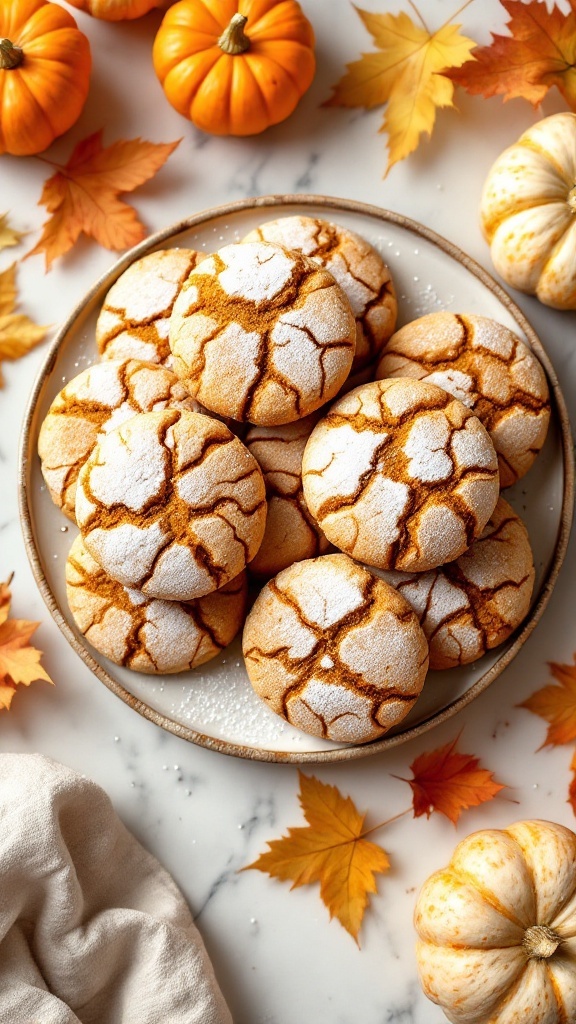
[[473, 604], [134, 319], [262, 334], [358, 268], [96, 401], [291, 533], [334, 650], [145, 634], [171, 503], [400, 475], [487, 367]]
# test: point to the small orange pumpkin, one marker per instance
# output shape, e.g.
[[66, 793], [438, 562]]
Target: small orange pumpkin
[[117, 10], [235, 67], [45, 68]]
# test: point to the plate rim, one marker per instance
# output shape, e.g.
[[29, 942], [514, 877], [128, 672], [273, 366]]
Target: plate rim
[[25, 456]]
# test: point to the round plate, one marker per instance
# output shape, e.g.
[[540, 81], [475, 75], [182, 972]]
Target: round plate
[[214, 705]]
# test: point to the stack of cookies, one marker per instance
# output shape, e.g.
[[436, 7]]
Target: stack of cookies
[[254, 414]]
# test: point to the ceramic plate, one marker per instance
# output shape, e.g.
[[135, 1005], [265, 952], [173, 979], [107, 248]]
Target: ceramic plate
[[214, 705]]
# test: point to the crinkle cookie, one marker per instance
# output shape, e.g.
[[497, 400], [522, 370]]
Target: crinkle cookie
[[487, 367], [400, 475], [145, 634], [96, 401], [171, 503], [134, 319], [262, 334], [473, 604], [356, 265], [291, 533], [335, 650]]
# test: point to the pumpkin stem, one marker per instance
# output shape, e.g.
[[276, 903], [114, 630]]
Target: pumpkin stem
[[540, 942], [10, 55], [233, 39], [572, 199]]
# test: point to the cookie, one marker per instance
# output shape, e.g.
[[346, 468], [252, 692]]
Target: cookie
[[400, 475], [291, 533], [96, 401], [262, 334], [358, 268], [474, 604], [487, 367], [171, 503], [334, 650], [142, 633], [133, 322]]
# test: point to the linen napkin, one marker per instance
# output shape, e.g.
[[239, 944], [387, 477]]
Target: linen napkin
[[92, 929]]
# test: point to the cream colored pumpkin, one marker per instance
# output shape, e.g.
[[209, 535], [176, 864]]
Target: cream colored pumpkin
[[497, 928], [528, 212]]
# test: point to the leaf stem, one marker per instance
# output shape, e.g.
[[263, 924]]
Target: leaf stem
[[383, 823]]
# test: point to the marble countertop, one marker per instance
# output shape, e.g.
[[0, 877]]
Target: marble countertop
[[277, 956]]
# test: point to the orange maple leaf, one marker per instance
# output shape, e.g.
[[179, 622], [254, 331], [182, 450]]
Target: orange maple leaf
[[557, 705], [19, 663], [449, 782], [331, 850], [540, 52], [83, 194]]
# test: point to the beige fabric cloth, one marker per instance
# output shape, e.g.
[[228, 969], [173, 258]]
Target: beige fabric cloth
[[92, 929]]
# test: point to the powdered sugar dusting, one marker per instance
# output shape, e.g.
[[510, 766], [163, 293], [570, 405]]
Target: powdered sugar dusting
[[254, 271]]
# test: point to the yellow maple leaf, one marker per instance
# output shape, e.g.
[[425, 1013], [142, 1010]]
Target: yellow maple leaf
[[83, 195], [19, 662], [18, 334], [331, 850], [8, 236], [404, 74]]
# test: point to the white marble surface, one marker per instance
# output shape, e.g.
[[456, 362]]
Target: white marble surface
[[277, 956]]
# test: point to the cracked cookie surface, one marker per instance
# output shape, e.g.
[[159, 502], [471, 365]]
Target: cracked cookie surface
[[400, 475], [358, 268], [134, 319], [143, 633], [262, 334], [475, 603], [291, 534], [96, 401], [171, 503], [490, 369], [334, 650]]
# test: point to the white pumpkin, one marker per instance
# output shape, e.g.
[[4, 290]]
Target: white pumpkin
[[528, 212], [497, 928]]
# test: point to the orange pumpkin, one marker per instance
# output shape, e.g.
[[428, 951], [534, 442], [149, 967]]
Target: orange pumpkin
[[235, 67], [45, 68], [117, 10]]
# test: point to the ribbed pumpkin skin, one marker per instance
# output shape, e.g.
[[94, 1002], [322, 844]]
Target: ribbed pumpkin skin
[[497, 928], [528, 212], [42, 97], [240, 94], [115, 10]]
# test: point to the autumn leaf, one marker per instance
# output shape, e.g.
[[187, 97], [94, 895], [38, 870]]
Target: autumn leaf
[[8, 236], [19, 663], [449, 782], [330, 850], [83, 195], [18, 334], [556, 705], [539, 53], [403, 74]]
